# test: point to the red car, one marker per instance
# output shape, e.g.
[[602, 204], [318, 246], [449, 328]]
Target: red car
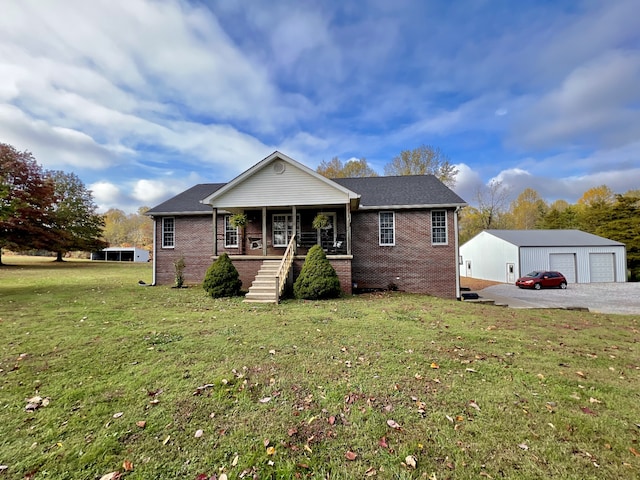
[[540, 280]]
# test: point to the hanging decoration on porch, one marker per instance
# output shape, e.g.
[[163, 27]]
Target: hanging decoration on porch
[[320, 222], [239, 220]]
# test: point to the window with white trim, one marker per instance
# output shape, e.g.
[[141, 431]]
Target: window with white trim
[[386, 228], [168, 232], [230, 233], [282, 229], [439, 227]]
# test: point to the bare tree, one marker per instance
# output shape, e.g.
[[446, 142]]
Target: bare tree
[[424, 160]]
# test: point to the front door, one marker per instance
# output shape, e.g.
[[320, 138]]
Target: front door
[[469, 268]]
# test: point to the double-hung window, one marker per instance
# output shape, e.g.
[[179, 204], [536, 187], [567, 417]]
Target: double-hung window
[[168, 232], [439, 227], [282, 228], [386, 228], [230, 233]]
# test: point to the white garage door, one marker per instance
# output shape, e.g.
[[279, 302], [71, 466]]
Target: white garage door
[[565, 263], [601, 267]]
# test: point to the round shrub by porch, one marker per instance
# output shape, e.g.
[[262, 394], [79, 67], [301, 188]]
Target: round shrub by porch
[[318, 279], [222, 278]]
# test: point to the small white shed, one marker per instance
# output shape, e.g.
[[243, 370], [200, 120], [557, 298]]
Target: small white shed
[[505, 255], [121, 254]]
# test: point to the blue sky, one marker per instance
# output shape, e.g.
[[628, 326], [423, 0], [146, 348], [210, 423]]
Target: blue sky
[[142, 99]]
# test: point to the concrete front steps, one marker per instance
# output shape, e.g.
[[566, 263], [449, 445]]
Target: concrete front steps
[[263, 288]]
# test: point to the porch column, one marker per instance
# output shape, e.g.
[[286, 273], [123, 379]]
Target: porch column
[[264, 231], [347, 217], [215, 232], [294, 221]]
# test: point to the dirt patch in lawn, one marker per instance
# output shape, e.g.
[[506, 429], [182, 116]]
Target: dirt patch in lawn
[[475, 284]]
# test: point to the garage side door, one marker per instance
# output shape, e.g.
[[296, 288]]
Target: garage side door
[[601, 267], [565, 263]]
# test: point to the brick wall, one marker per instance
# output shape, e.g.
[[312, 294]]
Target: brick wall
[[193, 241], [413, 264]]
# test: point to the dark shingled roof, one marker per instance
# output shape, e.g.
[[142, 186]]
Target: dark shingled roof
[[188, 201], [409, 190], [404, 191]]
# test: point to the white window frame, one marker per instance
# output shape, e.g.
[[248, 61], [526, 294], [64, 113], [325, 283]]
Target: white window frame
[[438, 227], [384, 227], [288, 219], [229, 232], [168, 232]]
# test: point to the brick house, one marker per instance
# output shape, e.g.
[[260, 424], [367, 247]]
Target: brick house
[[379, 233]]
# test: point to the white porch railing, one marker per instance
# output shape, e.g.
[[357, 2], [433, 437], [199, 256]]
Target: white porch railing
[[285, 266]]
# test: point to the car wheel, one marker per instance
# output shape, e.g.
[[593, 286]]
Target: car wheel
[[563, 285], [537, 286]]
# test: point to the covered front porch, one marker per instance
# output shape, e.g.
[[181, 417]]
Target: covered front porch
[[268, 231], [280, 202]]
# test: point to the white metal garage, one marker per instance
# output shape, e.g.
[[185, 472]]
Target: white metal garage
[[581, 257]]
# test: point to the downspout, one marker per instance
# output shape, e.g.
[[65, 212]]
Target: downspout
[[215, 231], [457, 251], [155, 252]]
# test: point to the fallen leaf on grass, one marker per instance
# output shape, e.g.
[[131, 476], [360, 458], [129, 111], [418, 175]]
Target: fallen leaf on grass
[[235, 460], [36, 402], [594, 400], [393, 424], [111, 476], [127, 466], [351, 455], [435, 366], [473, 404], [524, 446], [271, 451], [332, 420], [580, 374], [199, 433], [471, 370], [265, 400], [166, 440], [371, 472], [411, 461], [141, 424], [383, 442], [588, 411], [118, 415], [634, 451]]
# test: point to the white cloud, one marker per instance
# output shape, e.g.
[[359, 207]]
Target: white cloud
[[596, 105], [468, 182], [106, 195]]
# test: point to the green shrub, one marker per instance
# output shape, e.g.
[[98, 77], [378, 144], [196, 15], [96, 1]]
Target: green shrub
[[318, 279], [222, 279]]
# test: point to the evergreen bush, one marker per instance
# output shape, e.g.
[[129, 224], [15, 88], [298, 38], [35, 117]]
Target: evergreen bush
[[318, 279], [222, 278]]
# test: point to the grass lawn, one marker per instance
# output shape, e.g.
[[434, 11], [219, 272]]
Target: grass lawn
[[162, 383]]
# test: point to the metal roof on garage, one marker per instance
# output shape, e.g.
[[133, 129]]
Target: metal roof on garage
[[553, 238]]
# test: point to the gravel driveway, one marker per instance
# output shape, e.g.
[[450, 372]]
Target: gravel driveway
[[597, 297]]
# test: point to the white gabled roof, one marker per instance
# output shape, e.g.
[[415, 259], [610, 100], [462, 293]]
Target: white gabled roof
[[224, 194], [552, 238]]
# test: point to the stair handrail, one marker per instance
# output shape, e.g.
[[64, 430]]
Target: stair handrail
[[285, 265]]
